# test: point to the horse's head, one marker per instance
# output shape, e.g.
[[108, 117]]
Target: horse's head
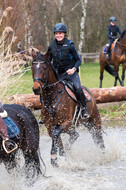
[[40, 69]]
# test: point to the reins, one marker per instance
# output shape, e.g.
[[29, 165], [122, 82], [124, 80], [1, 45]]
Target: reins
[[121, 43]]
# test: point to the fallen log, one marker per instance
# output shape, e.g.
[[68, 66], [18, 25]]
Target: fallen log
[[102, 95], [114, 94], [27, 100]]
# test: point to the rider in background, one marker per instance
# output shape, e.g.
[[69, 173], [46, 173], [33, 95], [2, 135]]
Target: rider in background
[[66, 61], [112, 31]]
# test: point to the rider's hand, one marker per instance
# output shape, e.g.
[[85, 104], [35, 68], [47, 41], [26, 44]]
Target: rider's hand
[[71, 71]]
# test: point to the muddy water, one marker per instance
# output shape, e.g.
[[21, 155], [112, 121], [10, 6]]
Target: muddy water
[[84, 168]]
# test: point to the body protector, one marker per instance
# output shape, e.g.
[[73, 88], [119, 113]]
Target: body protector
[[62, 57], [112, 31]]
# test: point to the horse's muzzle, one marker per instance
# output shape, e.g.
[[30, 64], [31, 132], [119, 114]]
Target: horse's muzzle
[[36, 91]]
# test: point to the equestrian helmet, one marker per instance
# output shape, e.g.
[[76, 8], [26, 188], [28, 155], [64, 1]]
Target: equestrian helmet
[[60, 27], [112, 19]]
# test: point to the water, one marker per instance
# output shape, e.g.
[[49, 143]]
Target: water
[[85, 168]]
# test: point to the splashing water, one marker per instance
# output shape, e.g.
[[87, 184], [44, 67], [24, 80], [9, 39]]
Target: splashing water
[[84, 168]]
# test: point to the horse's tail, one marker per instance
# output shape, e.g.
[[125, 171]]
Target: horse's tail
[[110, 69]]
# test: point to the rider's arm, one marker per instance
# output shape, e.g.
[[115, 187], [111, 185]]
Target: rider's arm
[[76, 56], [119, 31]]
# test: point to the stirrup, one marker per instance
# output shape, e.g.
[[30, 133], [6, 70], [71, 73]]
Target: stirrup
[[84, 114], [6, 143], [107, 56]]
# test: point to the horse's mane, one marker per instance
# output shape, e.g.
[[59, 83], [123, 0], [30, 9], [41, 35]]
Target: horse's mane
[[122, 35]]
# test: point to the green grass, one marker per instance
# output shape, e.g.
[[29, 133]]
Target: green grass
[[90, 73], [23, 85], [114, 112]]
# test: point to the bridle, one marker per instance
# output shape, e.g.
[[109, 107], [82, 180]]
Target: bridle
[[39, 80], [46, 85]]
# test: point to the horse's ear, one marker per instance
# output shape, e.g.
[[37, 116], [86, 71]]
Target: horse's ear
[[33, 54], [47, 55]]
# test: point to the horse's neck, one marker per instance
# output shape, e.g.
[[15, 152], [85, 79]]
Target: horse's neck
[[123, 40], [51, 76]]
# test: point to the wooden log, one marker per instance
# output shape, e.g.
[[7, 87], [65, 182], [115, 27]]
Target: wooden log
[[27, 100], [114, 94], [102, 95]]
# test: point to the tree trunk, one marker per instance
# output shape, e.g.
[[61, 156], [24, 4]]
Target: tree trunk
[[114, 94]]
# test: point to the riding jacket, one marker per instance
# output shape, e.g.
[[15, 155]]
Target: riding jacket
[[112, 31], [64, 55]]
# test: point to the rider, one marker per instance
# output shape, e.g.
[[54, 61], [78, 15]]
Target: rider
[[112, 31], [9, 145], [66, 62]]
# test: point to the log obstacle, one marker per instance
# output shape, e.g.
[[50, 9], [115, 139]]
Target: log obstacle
[[114, 94], [102, 95]]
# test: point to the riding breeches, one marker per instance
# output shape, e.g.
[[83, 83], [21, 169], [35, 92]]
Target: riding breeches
[[74, 79]]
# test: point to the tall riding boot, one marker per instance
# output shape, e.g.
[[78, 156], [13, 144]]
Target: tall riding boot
[[82, 100], [108, 53]]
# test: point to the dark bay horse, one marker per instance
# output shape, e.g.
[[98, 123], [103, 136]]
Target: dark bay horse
[[27, 141], [118, 56], [58, 107]]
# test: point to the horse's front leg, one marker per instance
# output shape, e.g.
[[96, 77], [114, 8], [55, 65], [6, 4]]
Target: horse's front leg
[[57, 142], [54, 161], [123, 74], [117, 77], [61, 148]]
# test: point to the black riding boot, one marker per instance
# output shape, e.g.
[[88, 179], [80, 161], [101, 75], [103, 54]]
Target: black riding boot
[[82, 101], [108, 53]]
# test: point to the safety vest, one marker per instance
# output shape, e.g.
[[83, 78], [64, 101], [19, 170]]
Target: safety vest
[[62, 57]]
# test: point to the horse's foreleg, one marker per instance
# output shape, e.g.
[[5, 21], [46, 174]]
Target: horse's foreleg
[[117, 77], [123, 74], [101, 73], [61, 148], [54, 151]]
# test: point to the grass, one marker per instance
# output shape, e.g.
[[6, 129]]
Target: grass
[[114, 112], [23, 84]]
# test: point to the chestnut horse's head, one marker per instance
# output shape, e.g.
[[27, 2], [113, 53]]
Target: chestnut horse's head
[[40, 70]]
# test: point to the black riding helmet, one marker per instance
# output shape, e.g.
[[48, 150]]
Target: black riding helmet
[[112, 19], [60, 27]]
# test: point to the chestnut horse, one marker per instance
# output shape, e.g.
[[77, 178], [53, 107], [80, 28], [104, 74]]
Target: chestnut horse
[[59, 108], [118, 56], [27, 141]]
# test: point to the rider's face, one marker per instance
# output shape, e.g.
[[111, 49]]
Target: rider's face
[[59, 36], [112, 23]]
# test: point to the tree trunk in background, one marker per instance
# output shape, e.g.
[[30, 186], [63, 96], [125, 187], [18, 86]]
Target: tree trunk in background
[[45, 22], [28, 34], [82, 24]]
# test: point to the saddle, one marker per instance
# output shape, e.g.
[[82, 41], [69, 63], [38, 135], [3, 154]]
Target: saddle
[[71, 92], [12, 128], [112, 47]]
